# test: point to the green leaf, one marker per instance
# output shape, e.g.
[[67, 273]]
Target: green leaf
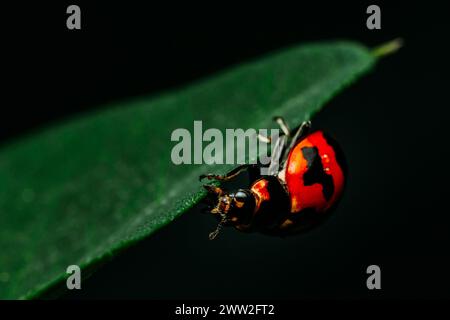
[[80, 192]]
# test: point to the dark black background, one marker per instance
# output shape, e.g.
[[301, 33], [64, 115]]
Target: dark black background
[[391, 125]]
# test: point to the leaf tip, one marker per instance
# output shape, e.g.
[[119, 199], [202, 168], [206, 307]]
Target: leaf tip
[[388, 48]]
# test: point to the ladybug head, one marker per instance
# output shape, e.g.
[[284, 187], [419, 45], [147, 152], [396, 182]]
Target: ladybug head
[[232, 208]]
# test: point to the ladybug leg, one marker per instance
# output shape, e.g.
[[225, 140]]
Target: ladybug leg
[[230, 175], [300, 133], [213, 189], [264, 138], [277, 151], [283, 125]]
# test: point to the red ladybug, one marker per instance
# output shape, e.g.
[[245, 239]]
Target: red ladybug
[[304, 182]]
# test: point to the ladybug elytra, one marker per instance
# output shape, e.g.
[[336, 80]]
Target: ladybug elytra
[[304, 182]]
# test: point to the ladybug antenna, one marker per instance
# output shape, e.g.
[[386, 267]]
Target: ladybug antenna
[[214, 234]]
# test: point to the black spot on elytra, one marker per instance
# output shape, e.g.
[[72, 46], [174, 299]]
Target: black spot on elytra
[[315, 172]]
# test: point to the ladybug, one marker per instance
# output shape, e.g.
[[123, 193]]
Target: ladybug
[[302, 184]]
